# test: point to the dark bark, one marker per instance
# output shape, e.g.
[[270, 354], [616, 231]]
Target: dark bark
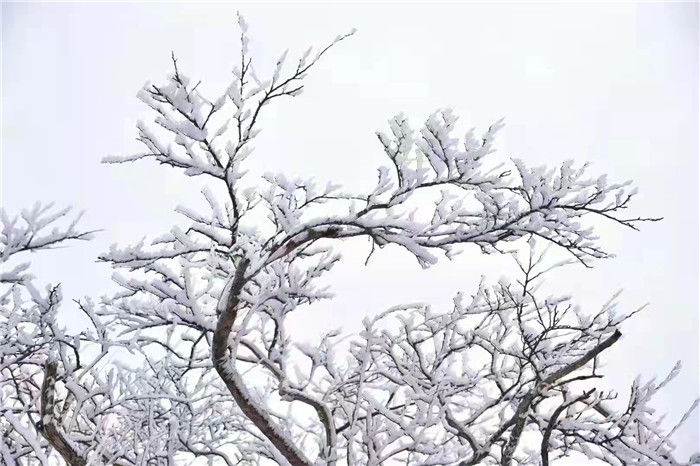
[[228, 373], [521, 412], [48, 426], [544, 446]]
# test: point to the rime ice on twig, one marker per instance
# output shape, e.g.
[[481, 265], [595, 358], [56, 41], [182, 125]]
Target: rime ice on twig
[[236, 271], [204, 306]]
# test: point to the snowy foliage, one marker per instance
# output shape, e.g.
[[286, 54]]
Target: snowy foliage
[[504, 377]]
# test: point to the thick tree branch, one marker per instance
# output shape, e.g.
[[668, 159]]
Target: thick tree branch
[[48, 423], [224, 365]]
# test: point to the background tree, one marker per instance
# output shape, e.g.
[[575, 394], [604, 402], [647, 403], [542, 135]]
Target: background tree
[[464, 386]]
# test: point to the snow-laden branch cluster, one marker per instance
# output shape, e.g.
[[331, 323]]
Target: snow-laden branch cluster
[[61, 396], [27, 232], [506, 376], [237, 269], [468, 386], [31, 339]]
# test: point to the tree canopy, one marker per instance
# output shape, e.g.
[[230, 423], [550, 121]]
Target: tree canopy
[[192, 358]]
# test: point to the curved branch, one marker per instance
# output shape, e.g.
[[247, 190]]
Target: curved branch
[[228, 304], [47, 425], [544, 446], [521, 412]]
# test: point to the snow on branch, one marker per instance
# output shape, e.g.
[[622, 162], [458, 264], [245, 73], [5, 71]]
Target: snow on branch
[[41, 227], [204, 366], [464, 386]]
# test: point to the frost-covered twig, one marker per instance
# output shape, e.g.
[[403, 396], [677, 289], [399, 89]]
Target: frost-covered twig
[[465, 386]]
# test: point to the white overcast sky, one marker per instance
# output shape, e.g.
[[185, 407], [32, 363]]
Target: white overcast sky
[[613, 84]]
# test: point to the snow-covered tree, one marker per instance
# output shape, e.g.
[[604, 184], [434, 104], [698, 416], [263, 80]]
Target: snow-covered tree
[[506, 376]]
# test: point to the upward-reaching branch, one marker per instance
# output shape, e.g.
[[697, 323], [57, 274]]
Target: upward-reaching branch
[[48, 421], [414, 388]]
